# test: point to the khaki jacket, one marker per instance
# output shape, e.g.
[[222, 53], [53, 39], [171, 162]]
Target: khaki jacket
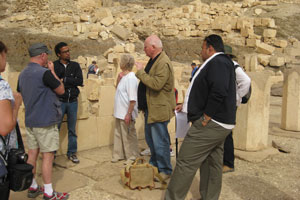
[[160, 93]]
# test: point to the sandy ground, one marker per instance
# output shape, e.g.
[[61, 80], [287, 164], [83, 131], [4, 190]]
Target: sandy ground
[[275, 178]]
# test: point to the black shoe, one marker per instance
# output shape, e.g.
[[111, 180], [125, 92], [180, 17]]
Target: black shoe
[[73, 158]]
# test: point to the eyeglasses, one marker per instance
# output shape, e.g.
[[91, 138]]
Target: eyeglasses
[[67, 51]]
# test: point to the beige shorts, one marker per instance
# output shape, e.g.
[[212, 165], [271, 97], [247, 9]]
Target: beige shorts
[[46, 138]]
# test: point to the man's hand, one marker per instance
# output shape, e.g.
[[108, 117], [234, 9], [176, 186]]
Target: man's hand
[[50, 65], [139, 65], [178, 108], [127, 119], [205, 119]]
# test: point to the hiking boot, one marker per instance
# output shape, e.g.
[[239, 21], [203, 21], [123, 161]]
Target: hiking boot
[[56, 196], [73, 158], [227, 169], [33, 193], [163, 176]]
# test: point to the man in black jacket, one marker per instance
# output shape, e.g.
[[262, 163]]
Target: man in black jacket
[[210, 105], [71, 75]]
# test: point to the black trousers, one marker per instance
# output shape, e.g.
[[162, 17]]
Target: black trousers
[[228, 158]]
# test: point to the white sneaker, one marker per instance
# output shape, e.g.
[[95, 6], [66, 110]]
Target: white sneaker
[[146, 152], [172, 153]]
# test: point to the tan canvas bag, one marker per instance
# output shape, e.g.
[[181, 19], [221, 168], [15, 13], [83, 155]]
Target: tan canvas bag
[[140, 175]]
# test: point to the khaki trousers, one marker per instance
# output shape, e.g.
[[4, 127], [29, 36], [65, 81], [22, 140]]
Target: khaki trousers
[[125, 141], [202, 148]]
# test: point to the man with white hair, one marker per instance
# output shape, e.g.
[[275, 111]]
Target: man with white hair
[[157, 100]]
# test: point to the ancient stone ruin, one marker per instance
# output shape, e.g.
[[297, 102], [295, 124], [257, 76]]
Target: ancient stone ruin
[[103, 30]]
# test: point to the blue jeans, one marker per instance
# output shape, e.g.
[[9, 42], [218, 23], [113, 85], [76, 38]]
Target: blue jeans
[[157, 138], [71, 110]]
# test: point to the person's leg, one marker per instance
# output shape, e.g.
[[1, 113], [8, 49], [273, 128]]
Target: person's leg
[[161, 145], [149, 140], [72, 137], [118, 152], [228, 159], [32, 158], [196, 147], [131, 145], [47, 166]]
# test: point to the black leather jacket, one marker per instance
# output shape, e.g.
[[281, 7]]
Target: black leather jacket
[[72, 78]]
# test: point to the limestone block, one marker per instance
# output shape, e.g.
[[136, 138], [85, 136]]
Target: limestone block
[[82, 112], [290, 110], [107, 21], [195, 15], [119, 49], [107, 52], [96, 27], [111, 56], [102, 13], [83, 28], [103, 35], [121, 32], [268, 22], [252, 42], [277, 61], [106, 100], [58, 18], [257, 22], [252, 120], [129, 48], [263, 59], [280, 43], [170, 32], [82, 61], [87, 135], [246, 31], [187, 8], [258, 11], [20, 17], [243, 22], [92, 88], [291, 51], [265, 48], [106, 126], [85, 18], [93, 35], [271, 33], [76, 19]]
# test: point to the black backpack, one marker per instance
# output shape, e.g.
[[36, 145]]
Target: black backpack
[[245, 98]]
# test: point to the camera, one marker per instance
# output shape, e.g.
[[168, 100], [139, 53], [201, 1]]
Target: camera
[[17, 156]]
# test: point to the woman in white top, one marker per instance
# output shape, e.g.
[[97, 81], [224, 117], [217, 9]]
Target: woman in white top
[[125, 112]]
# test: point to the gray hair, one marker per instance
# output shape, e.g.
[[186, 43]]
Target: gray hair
[[155, 41], [127, 61]]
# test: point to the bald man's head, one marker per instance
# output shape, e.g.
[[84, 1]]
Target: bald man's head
[[152, 46]]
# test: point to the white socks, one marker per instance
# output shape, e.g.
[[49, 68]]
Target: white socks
[[34, 184], [48, 189]]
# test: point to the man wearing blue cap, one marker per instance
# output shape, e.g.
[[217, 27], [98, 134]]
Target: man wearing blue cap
[[39, 85]]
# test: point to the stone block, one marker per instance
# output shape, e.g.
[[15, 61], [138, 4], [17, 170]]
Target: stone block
[[258, 11], [106, 101], [106, 127], [268, 22], [129, 48], [88, 136], [119, 49], [83, 105], [82, 61], [111, 57], [246, 31], [269, 33], [263, 59], [85, 18], [59, 18], [101, 13], [265, 48], [290, 110], [107, 21], [121, 32], [252, 120], [277, 61], [170, 32], [252, 42], [20, 17], [92, 88], [93, 35], [187, 8], [257, 22], [104, 35], [280, 43]]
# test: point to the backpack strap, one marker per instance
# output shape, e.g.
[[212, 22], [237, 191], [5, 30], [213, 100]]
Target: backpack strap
[[19, 137]]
